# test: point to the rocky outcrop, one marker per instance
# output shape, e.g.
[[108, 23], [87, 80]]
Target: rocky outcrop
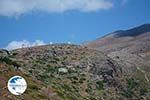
[[4, 52]]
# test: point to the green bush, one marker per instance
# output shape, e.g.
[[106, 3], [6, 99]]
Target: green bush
[[82, 80], [131, 83], [143, 91], [7, 60], [127, 93], [100, 85], [89, 89], [75, 78], [15, 53], [51, 69], [43, 77], [33, 87], [66, 87]]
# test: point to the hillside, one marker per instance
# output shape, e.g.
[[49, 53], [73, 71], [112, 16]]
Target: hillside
[[71, 72], [127, 47]]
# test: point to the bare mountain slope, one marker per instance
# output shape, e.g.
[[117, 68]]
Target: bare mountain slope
[[129, 48], [137, 40]]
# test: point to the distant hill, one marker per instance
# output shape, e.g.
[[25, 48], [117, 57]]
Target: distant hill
[[135, 40], [134, 31], [130, 48]]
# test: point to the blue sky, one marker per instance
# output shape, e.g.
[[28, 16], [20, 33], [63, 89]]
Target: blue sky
[[73, 22]]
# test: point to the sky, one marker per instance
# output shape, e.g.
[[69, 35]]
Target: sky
[[39, 22]]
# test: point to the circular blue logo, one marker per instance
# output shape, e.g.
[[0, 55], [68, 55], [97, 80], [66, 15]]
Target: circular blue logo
[[17, 85]]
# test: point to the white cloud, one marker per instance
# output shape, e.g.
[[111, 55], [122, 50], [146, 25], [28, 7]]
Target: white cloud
[[19, 7], [50, 43], [22, 44], [69, 42]]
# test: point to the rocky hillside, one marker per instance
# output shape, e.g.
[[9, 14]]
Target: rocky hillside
[[131, 48], [71, 72]]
